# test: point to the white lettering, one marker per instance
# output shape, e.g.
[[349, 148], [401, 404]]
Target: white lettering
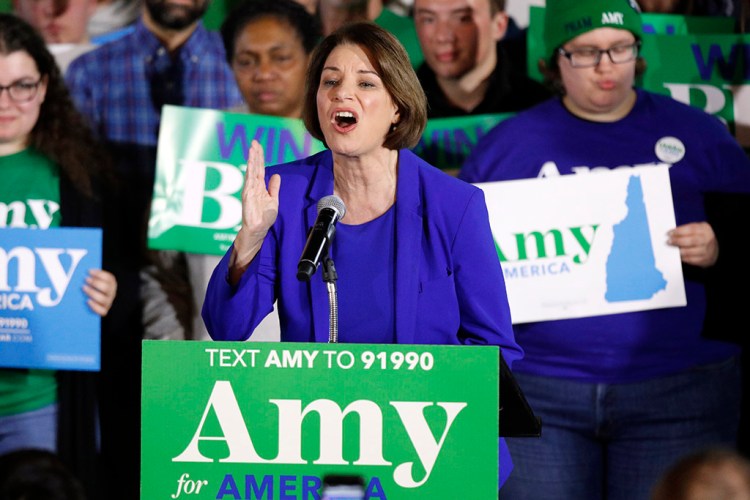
[[412, 416], [13, 214], [236, 435], [331, 431], [52, 265], [612, 18], [15, 302], [549, 169], [224, 404], [57, 274], [273, 360], [26, 278], [43, 211], [230, 183]]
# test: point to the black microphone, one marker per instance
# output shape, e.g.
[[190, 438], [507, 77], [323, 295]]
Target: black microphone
[[330, 210]]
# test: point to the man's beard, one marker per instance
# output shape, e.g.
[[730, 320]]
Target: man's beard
[[174, 17]]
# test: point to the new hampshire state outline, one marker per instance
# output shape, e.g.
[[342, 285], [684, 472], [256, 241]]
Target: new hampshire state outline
[[631, 266]]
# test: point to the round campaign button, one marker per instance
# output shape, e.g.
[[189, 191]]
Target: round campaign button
[[670, 149]]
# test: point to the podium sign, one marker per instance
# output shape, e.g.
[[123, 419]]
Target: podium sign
[[238, 420]]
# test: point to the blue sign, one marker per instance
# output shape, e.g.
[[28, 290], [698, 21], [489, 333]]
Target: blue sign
[[45, 321]]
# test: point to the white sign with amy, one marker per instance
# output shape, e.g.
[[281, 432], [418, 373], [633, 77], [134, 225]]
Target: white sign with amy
[[586, 245]]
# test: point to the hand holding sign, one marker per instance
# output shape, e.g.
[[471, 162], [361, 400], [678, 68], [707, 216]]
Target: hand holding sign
[[697, 243], [260, 206], [101, 288]]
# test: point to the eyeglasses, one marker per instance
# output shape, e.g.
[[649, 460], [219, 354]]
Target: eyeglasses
[[588, 57], [21, 91]]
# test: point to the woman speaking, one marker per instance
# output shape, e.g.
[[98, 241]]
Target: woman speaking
[[414, 254]]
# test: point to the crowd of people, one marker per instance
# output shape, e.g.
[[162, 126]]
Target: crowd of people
[[622, 397]]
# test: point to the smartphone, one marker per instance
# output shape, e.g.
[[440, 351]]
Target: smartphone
[[343, 487]]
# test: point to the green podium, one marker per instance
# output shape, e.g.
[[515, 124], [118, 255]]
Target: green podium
[[242, 420]]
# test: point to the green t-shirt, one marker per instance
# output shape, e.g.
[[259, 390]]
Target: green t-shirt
[[29, 197]]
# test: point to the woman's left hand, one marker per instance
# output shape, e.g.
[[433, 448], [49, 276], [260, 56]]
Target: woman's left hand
[[697, 243], [101, 287]]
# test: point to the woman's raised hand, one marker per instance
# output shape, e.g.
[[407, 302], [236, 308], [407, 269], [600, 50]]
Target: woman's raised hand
[[260, 206]]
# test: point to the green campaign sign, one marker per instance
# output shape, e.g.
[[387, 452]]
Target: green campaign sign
[[446, 142], [200, 167], [261, 420], [201, 160], [711, 72], [695, 60]]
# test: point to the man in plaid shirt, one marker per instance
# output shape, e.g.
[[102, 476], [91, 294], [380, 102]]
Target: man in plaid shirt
[[169, 58]]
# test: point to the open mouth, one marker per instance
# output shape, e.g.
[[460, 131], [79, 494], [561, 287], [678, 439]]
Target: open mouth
[[345, 119]]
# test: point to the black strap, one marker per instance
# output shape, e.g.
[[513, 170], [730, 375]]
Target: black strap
[[517, 419]]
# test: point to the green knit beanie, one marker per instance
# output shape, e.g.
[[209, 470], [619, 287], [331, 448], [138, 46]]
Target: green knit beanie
[[566, 19]]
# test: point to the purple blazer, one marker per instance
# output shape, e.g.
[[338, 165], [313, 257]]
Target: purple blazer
[[449, 287]]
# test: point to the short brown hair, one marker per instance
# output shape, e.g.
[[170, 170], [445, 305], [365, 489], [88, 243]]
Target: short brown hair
[[390, 60], [497, 6]]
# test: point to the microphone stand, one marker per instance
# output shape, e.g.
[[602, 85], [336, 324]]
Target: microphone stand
[[330, 276]]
